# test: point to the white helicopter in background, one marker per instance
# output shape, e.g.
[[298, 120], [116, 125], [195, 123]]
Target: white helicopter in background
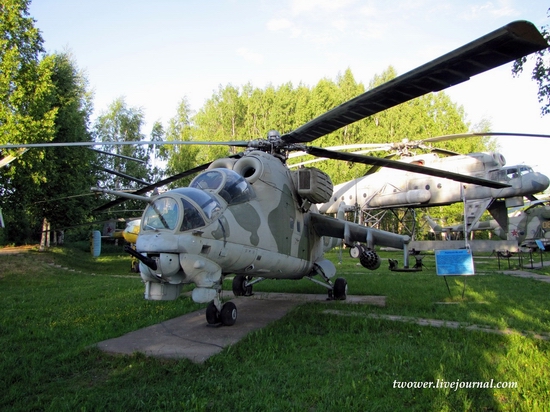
[[250, 216], [392, 189]]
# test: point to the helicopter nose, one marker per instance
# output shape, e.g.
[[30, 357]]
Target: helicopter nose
[[540, 182]]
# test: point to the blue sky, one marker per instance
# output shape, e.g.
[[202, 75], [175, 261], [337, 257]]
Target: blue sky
[[156, 53]]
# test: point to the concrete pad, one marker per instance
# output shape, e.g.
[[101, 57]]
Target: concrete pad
[[190, 337], [439, 323], [523, 274]]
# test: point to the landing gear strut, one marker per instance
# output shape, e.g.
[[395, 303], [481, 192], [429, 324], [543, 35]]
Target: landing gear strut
[[217, 314]]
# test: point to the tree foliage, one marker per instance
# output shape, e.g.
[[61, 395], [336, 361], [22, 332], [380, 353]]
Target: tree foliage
[[118, 124], [43, 98], [70, 171], [540, 72], [66, 173], [27, 114], [248, 113], [126, 167], [180, 157]]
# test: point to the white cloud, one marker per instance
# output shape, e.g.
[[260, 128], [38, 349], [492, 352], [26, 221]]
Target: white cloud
[[278, 24], [340, 24], [250, 56], [369, 10], [489, 9], [301, 6]]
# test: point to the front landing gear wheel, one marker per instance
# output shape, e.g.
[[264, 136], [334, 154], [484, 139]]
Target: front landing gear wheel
[[228, 314], [340, 289], [212, 314]]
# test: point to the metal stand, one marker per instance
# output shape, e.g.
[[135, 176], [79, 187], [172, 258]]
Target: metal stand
[[449, 289]]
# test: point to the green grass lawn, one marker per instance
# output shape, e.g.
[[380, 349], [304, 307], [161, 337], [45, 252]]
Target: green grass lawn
[[55, 306]]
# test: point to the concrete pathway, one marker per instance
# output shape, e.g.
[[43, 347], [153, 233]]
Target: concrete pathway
[[438, 323], [525, 274], [190, 337]]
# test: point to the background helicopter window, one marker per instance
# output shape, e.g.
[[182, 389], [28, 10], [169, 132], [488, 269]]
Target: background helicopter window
[[512, 172], [161, 214], [191, 217], [498, 175], [523, 170]]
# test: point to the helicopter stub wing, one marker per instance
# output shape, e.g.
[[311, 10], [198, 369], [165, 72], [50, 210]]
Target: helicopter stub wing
[[515, 40], [352, 232]]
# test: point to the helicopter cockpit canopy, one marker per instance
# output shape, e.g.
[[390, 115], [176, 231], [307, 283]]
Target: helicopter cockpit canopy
[[516, 171], [188, 208], [230, 185], [510, 172]]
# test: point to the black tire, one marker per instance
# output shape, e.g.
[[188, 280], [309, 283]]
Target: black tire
[[228, 314], [212, 314], [340, 289], [239, 288], [238, 285]]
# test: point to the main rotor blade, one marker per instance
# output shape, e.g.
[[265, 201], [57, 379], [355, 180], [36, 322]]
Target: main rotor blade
[[160, 183], [124, 175], [501, 46], [464, 135], [236, 143], [119, 156], [409, 167]]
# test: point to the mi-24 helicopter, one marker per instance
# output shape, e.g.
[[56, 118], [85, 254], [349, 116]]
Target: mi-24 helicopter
[[250, 216]]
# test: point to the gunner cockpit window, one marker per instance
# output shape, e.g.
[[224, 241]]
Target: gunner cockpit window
[[163, 213]]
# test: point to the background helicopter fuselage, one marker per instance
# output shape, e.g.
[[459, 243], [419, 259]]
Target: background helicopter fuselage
[[391, 188]]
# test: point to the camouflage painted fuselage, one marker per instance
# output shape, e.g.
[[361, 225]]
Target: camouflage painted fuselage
[[264, 232], [251, 216], [528, 225]]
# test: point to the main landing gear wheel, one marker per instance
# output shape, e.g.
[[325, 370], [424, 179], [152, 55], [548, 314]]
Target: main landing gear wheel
[[239, 286], [227, 316], [212, 314], [340, 289]]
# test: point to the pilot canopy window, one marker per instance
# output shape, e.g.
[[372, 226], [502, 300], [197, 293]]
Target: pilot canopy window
[[517, 171], [230, 185]]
